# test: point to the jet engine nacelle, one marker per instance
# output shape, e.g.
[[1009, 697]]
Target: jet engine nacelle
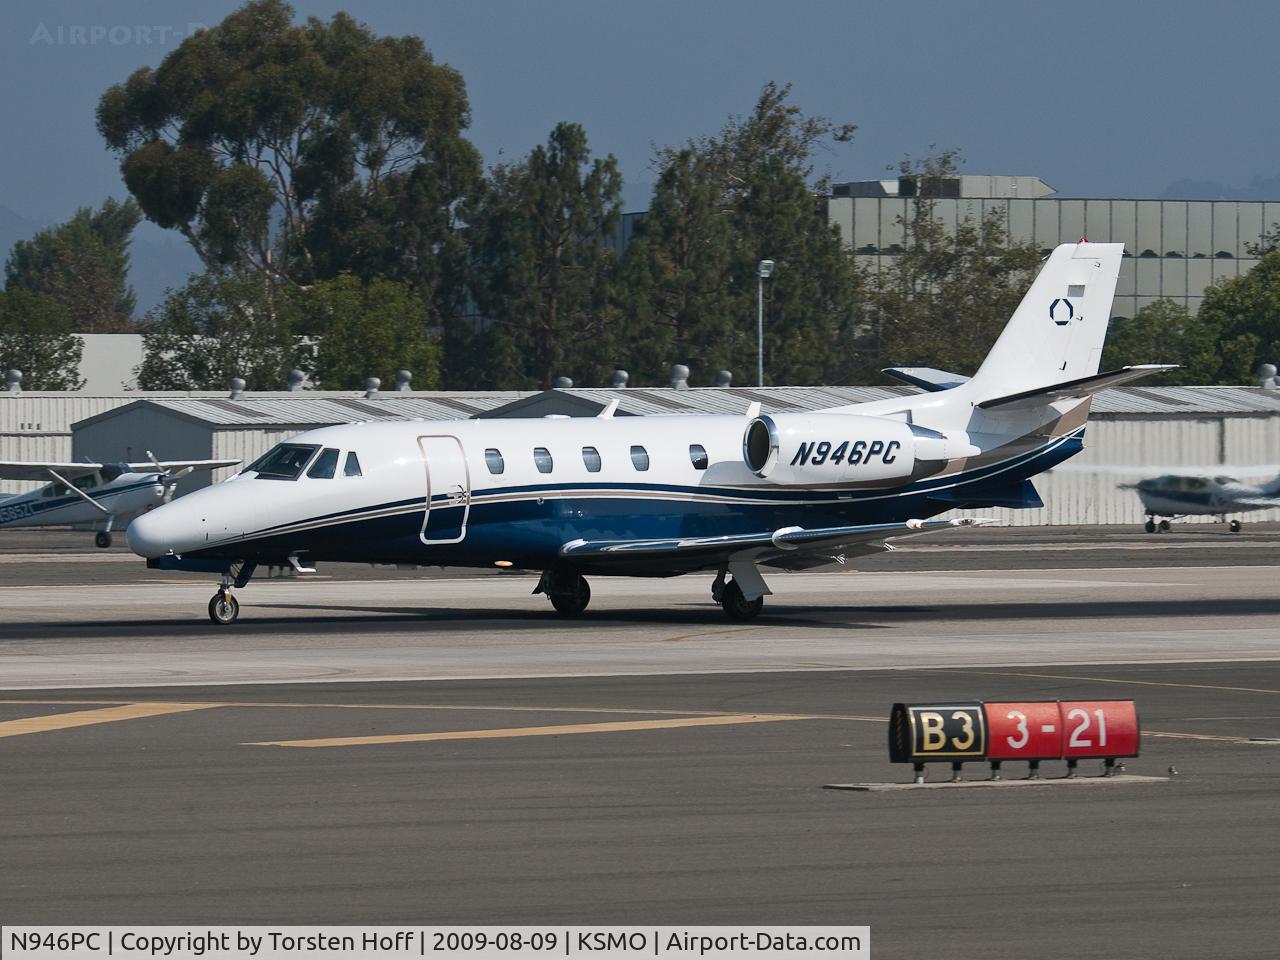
[[823, 448]]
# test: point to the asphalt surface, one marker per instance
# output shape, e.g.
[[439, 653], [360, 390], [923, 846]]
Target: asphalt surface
[[668, 767]]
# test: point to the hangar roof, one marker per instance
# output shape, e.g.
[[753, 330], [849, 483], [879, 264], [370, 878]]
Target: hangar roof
[[303, 411]]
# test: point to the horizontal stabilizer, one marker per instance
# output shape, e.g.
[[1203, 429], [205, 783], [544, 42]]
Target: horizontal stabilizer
[[926, 378], [1077, 389]]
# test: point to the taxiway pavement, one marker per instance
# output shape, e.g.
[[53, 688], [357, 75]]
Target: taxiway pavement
[[438, 749]]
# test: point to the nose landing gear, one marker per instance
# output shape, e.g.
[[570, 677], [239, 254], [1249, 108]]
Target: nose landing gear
[[223, 607]]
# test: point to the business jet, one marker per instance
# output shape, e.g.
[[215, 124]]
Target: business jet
[[1173, 496], [93, 496], [663, 496]]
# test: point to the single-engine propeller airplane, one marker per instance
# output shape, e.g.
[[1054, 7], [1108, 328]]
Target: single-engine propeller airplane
[[1175, 495], [93, 496], [663, 496]]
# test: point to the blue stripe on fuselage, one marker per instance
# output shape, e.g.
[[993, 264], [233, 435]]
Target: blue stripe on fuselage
[[518, 524]]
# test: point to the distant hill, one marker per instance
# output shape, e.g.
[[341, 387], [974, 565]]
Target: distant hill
[[1260, 188]]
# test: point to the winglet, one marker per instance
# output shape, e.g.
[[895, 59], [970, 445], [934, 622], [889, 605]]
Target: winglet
[[753, 410], [609, 410]]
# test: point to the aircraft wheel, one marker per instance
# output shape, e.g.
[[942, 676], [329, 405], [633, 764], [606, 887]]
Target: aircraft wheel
[[738, 607], [1165, 526], [571, 602], [102, 539], [1235, 526], [1150, 527], [223, 608]]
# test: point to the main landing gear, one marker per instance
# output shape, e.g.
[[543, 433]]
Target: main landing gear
[[568, 592], [1235, 526], [102, 539], [1151, 526], [739, 603]]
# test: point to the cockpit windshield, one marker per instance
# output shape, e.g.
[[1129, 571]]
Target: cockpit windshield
[[284, 461]]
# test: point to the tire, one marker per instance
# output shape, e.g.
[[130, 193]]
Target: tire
[[571, 603], [223, 608], [1165, 526], [102, 539], [1235, 526], [1150, 527], [738, 607]]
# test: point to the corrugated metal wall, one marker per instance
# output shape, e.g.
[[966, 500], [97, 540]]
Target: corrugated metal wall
[[129, 437], [1085, 489], [38, 427]]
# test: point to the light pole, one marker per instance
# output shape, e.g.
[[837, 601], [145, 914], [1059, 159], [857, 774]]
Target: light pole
[[763, 272]]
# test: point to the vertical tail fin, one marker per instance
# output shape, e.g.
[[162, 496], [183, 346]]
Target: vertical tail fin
[[1056, 333]]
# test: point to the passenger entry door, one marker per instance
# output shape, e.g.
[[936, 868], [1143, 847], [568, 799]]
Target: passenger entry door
[[448, 501]]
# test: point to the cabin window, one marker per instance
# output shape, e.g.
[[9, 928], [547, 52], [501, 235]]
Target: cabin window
[[640, 458], [542, 459], [698, 456], [352, 466], [326, 465], [591, 459], [493, 460], [284, 461]]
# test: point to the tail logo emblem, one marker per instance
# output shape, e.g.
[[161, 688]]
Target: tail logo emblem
[[1054, 312]]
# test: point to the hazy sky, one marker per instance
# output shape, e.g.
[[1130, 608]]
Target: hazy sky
[[1099, 98]]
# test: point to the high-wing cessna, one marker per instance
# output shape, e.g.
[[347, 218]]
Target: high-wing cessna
[[662, 496], [1176, 495], [93, 496]]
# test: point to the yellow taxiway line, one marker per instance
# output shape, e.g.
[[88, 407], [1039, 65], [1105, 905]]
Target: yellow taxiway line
[[87, 718], [560, 730]]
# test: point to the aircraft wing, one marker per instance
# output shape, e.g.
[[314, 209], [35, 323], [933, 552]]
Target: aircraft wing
[[1255, 503], [36, 470], [173, 466], [776, 546]]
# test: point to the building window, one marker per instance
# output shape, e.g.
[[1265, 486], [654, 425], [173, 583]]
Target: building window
[[325, 466], [352, 467], [493, 460], [542, 459], [698, 456], [591, 459], [640, 458]]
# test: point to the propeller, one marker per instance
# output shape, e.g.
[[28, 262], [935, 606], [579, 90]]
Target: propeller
[[168, 479]]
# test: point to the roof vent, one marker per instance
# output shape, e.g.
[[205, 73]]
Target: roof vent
[[371, 385], [679, 377], [620, 378], [404, 379], [236, 386], [296, 379], [724, 378], [1267, 376], [13, 381], [562, 383]]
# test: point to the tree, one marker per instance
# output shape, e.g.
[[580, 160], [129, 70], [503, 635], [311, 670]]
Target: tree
[[301, 151], [721, 204], [1164, 332], [222, 326], [368, 330], [36, 337], [946, 297], [1244, 312], [543, 269], [84, 265]]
